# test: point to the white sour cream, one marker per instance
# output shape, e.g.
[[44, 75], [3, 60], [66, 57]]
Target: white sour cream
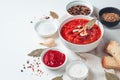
[[77, 70]]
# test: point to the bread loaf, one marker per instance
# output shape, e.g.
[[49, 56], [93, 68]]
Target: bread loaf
[[113, 49], [110, 63]]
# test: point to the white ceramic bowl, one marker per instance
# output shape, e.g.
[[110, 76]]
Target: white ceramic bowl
[[46, 27], [80, 2], [53, 68], [77, 70], [80, 47]]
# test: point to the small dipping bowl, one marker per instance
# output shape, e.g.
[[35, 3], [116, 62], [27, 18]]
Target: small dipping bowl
[[109, 10], [46, 27], [53, 58], [77, 70], [76, 5]]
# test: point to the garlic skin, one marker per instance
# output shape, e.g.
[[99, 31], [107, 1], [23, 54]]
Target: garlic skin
[[49, 42]]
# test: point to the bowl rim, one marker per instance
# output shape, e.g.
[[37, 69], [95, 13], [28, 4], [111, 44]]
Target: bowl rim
[[53, 48], [80, 17], [81, 2], [109, 8]]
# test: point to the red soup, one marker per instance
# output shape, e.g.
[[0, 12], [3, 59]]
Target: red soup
[[53, 58], [75, 32]]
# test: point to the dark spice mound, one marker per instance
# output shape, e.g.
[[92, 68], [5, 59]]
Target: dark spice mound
[[79, 10]]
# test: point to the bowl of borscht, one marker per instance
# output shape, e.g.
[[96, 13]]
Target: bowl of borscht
[[76, 38]]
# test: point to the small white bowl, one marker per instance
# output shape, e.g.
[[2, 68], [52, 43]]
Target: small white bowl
[[81, 47], [46, 27], [80, 2], [53, 68], [77, 70]]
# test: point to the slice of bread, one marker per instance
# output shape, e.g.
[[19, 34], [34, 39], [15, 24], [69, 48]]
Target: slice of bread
[[110, 63], [113, 49]]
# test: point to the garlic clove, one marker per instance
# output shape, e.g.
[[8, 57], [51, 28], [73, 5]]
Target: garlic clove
[[49, 42], [75, 30]]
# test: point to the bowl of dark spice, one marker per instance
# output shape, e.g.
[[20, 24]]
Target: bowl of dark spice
[[109, 16], [80, 7]]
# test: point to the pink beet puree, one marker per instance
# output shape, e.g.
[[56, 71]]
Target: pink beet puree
[[54, 58]]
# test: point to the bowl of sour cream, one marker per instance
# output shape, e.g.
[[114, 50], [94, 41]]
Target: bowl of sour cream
[[77, 70]]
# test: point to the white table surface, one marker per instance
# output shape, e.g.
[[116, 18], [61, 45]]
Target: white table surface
[[17, 34]]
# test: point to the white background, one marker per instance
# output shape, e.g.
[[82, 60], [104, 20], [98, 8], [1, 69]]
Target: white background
[[17, 34]]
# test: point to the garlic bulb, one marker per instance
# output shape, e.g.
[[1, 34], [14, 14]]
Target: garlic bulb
[[49, 42]]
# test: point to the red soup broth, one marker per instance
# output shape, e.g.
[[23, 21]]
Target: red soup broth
[[54, 58], [67, 33]]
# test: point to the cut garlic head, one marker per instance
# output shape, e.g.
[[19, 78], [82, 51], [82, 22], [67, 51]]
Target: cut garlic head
[[49, 42]]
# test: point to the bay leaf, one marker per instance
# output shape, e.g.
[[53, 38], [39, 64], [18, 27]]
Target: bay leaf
[[36, 53], [54, 15], [58, 78], [90, 24], [111, 76]]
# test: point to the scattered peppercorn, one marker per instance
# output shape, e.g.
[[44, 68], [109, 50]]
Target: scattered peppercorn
[[34, 66], [31, 21], [21, 70], [27, 62], [24, 67], [47, 17]]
